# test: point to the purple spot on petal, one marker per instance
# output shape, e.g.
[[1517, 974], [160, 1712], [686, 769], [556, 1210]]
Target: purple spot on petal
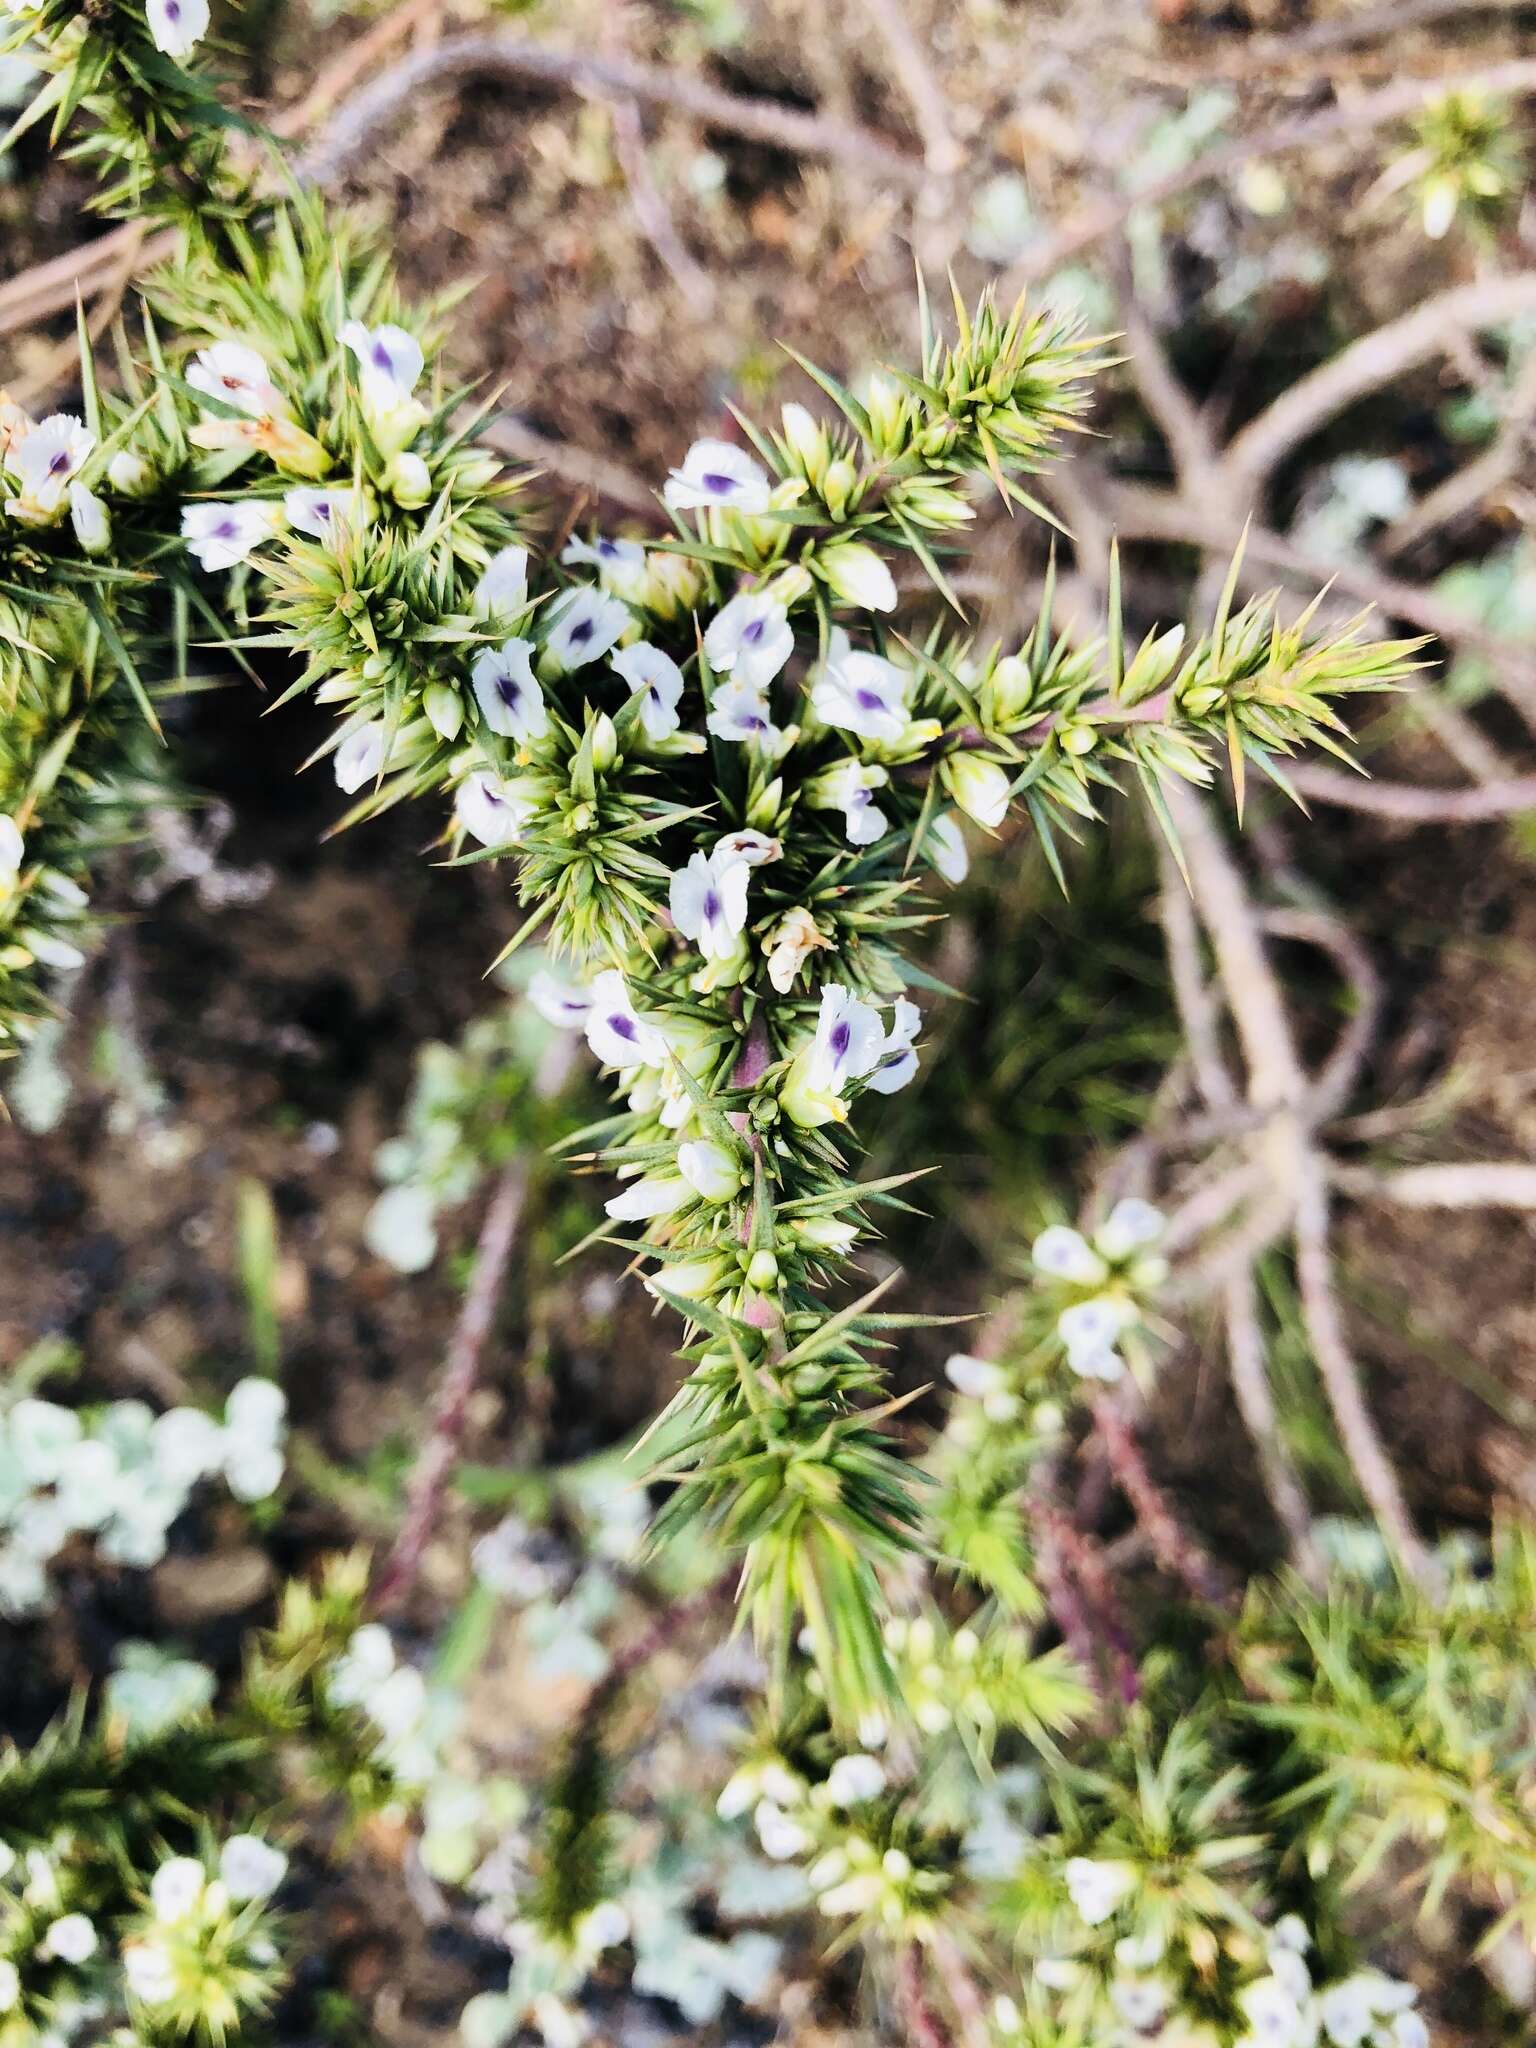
[[581, 633], [380, 356], [842, 1034], [509, 690], [624, 1026], [711, 906], [226, 530], [59, 463], [869, 700], [719, 486], [752, 634]]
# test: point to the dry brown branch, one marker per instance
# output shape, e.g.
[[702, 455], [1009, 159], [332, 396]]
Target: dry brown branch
[[1331, 935], [1369, 363], [583, 471], [514, 57], [450, 1406], [652, 212], [913, 70], [1470, 1184], [1468, 488], [1255, 1399], [923, 2026], [1412, 803], [1341, 1378], [1180, 1553], [1106, 216]]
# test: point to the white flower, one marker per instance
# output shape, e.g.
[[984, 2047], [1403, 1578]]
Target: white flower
[[583, 624], [186, 1445], [945, 848], [1130, 1225], [176, 1888], [849, 1039], [1290, 1971], [709, 1169], [861, 693], [150, 1972], [256, 1408], [230, 371], [1409, 2031], [1274, 2018], [324, 512], [559, 1002], [1140, 2002], [490, 809], [391, 360], [10, 1985], [708, 900], [399, 1228], [72, 1939], [1097, 1888], [975, 1376], [177, 26], [251, 1868], [898, 1061], [1349, 2010], [253, 1471], [751, 637], [90, 519], [222, 535], [658, 680], [860, 1893], [360, 757], [509, 698], [620, 564], [408, 481], [1065, 1254], [42, 460], [849, 788], [503, 589], [781, 1838], [366, 1662], [615, 1033], [1089, 1329], [717, 473], [1291, 1932], [739, 712], [853, 1779], [42, 1438], [657, 1194], [755, 848], [791, 943], [12, 848]]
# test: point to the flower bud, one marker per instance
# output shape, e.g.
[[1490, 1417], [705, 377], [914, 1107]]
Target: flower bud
[[856, 574], [980, 788], [690, 1279], [673, 584], [1077, 739], [763, 1271], [825, 1233], [764, 807], [806, 440], [838, 485], [886, 404], [934, 503], [1008, 692], [90, 519], [444, 708], [789, 586], [605, 743], [1205, 697], [709, 1169], [129, 474], [408, 481]]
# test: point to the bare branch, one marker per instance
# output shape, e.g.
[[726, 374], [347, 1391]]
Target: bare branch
[[1255, 1399], [1473, 1184]]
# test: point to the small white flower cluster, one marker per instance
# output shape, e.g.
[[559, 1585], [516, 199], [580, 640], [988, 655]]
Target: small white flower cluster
[[850, 1874], [121, 1474], [186, 1933], [1284, 2009], [64, 900], [1106, 1278], [254, 416], [411, 1721]]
